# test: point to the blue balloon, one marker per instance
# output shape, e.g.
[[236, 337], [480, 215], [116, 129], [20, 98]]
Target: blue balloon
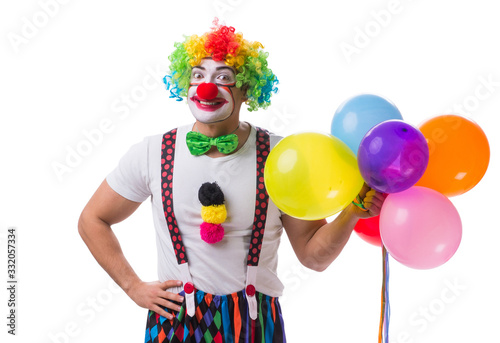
[[357, 115]]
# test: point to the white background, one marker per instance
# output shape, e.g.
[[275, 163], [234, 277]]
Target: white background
[[67, 68]]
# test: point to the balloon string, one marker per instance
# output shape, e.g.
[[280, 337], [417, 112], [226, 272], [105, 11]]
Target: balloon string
[[385, 312], [387, 304]]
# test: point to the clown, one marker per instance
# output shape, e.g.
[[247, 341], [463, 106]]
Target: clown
[[217, 231]]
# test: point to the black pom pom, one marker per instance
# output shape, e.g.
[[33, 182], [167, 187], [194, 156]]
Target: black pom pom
[[210, 194]]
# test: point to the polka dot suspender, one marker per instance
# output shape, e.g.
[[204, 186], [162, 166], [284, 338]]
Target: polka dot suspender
[[167, 167], [261, 203]]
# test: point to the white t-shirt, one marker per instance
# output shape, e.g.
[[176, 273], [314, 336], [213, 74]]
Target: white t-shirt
[[218, 268]]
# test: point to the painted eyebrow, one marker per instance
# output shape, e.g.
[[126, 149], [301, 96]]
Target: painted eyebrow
[[224, 67]]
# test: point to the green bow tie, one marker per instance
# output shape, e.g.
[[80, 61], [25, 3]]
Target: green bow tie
[[198, 143]]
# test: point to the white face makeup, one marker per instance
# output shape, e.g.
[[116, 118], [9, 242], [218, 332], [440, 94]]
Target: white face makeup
[[228, 99]]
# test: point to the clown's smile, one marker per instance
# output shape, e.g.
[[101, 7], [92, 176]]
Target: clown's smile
[[208, 105]]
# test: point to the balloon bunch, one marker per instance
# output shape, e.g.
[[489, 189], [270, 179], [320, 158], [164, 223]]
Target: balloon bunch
[[314, 175], [419, 168]]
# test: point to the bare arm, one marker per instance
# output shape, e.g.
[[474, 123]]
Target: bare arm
[[105, 208], [318, 243]]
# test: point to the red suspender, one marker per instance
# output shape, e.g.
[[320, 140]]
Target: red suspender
[[262, 199], [167, 166]]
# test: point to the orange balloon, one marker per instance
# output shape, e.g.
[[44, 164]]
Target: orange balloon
[[459, 154]]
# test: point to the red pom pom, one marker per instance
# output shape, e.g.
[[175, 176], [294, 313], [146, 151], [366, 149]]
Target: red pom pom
[[211, 233]]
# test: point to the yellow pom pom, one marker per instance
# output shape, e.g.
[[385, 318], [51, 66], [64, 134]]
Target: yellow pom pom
[[215, 214]]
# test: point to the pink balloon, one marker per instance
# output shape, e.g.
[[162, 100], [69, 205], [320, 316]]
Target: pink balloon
[[420, 227]]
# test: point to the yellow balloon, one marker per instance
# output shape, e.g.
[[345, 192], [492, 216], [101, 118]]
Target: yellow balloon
[[312, 175]]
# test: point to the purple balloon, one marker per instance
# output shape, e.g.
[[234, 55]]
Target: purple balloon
[[393, 156]]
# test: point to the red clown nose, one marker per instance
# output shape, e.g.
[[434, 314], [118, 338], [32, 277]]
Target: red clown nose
[[207, 91]]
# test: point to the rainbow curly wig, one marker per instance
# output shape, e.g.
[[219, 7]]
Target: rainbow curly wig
[[223, 44]]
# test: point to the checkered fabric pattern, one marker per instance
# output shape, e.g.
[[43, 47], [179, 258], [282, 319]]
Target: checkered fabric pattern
[[219, 318]]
